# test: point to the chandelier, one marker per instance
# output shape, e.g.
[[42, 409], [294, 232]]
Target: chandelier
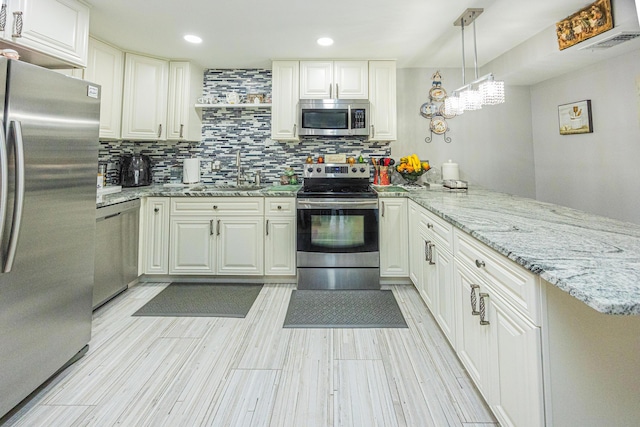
[[483, 90]]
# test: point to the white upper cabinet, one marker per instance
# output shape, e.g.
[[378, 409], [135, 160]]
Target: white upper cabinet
[[105, 66], [382, 95], [56, 28], [144, 107], [334, 79], [184, 122], [285, 96]]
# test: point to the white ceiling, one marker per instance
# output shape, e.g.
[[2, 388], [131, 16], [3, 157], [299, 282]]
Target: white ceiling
[[250, 33]]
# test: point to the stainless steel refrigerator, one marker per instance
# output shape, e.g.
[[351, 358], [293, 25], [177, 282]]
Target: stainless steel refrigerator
[[48, 166]]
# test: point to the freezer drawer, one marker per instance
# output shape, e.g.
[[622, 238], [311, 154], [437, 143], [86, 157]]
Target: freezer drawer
[[116, 260]]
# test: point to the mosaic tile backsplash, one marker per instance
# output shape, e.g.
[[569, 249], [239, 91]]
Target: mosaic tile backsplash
[[227, 130]]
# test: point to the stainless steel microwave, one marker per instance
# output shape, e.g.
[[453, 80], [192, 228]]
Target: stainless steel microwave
[[333, 117]]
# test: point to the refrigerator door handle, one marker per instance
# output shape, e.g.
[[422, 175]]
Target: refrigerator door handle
[[16, 128], [4, 177]]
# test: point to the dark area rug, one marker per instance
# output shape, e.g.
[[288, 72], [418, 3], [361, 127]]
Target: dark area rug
[[343, 309], [202, 300]]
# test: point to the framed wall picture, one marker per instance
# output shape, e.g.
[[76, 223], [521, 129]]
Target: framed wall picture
[[584, 24], [575, 118]]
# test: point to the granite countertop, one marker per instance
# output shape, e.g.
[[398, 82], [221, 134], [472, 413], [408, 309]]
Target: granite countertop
[[593, 258], [197, 190]]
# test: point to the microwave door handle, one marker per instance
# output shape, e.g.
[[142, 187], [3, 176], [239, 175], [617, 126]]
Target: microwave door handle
[[16, 126], [349, 120], [4, 176]]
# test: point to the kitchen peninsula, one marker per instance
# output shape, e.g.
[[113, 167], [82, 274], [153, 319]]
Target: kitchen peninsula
[[575, 308]]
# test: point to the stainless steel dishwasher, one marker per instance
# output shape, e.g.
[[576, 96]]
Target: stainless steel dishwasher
[[116, 260]]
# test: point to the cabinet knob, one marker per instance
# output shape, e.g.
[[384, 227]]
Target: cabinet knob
[[156, 210], [479, 263], [215, 206], [429, 225], [279, 207]]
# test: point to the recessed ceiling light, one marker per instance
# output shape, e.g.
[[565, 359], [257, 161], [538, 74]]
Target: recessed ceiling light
[[192, 39], [325, 41]]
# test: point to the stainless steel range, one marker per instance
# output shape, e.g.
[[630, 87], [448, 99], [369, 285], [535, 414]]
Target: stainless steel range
[[337, 228]]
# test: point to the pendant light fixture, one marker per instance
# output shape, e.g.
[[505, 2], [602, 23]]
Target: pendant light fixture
[[482, 91]]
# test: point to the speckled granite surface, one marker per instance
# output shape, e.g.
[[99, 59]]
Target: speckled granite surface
[[593, 258], [194, 191]]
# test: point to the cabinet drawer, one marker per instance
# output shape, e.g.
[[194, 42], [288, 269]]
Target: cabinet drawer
[[513, 283], [440, 230], [280, 206], [219, 206]]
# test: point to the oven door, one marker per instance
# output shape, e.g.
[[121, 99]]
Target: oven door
[[337, 233]]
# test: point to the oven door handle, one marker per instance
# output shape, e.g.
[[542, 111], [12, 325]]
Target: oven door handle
[[333, 205]]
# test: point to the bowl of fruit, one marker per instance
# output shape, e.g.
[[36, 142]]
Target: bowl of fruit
[[411, 168]]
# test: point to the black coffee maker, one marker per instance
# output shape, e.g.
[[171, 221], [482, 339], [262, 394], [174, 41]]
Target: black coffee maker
[[135, 170]]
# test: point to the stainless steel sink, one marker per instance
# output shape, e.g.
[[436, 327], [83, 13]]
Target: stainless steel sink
[[230, 188]]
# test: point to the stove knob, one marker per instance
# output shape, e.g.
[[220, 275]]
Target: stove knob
[[310, 170], [354, 170], [362, 170], [319, 170]]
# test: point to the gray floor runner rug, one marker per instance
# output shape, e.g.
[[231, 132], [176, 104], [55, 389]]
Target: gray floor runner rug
[[202, 300], [343, 309]]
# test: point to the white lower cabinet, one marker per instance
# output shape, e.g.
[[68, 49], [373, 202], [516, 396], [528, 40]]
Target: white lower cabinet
[[156, 235], [498, 341], [280, 237], [192, 245], [394, 242], [240, 246], [488, 308]]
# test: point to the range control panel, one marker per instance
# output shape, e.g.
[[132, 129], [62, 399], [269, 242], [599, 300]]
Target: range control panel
[[336, 170]]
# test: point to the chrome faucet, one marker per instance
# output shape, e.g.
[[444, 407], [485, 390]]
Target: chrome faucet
[[239, 166]]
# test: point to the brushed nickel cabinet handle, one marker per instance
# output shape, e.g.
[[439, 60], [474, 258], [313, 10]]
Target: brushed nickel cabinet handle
[[159, 130], [479, 263], [382, 209], [431, 246], [3, 16], [373, 131], [337, 93], [426, 250], [330, 91], [17, 24], [295, 128], [474, 301], [267, 227], [483, 313], [211, 228], [218, 228], [181, 131]]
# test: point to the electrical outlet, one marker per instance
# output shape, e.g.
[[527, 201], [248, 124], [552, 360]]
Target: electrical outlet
[[215, 166]]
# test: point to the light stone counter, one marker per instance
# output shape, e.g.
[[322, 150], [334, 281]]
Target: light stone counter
[[593, 258]]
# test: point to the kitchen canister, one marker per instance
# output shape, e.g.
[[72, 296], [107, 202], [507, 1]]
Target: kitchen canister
[[450, 170], [191, 171]]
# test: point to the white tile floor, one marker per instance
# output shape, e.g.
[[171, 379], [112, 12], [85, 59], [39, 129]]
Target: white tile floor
[[164, 371]]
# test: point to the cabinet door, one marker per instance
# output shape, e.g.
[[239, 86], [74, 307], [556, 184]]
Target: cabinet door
[[144, 107], [351, 79], [240, 247], [185, 86], [471, 337], [105, 67], [285, 96], [416, 245], [445, 303], [59, 28], [316, 80], [192, 245], [280, 246], [394, 252], [516, 367], [429, 286], [156, 235], [382, 95]]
